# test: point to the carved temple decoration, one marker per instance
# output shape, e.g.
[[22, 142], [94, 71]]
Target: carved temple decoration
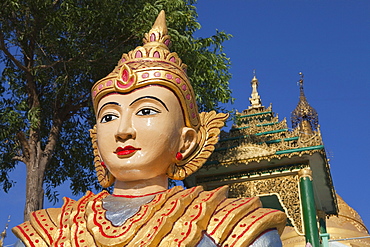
[[284, 187], [244, 151]]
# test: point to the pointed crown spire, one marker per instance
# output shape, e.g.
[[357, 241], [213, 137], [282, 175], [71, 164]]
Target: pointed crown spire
[[255, 99], [158, 35], [304, 113]]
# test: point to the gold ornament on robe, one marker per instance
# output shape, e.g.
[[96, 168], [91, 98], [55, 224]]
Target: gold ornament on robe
[[175, 218]]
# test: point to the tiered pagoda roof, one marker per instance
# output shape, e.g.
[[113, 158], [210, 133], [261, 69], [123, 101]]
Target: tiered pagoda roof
[[258, 135]]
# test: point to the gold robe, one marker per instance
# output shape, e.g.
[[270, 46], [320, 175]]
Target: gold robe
[[176, 217]]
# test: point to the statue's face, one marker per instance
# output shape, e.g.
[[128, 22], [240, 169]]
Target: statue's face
[[139, 133]]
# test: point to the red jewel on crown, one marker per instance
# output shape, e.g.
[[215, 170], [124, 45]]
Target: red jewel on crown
[[126, 78]]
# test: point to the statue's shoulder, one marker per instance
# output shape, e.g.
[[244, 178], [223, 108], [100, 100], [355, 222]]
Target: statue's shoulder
[[44, 225], [211, 215], [240, 221]]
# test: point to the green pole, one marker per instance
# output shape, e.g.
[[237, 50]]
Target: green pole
[[311, 230], [322, 228]]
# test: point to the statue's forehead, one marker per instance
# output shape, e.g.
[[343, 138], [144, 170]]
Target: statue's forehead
[[156, 92]]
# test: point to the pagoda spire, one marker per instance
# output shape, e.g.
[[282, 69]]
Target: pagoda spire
[[304, 116], [255, 99]]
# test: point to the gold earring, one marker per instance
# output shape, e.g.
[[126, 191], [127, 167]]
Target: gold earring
[[105, 178], [210, 125]]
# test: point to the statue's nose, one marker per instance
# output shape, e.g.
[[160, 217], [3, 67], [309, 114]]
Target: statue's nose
[[125, 130]]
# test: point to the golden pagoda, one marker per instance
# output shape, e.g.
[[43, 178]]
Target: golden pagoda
[[287, 168], [345, 229]]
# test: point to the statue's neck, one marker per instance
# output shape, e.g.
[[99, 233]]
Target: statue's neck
[[141, 187]]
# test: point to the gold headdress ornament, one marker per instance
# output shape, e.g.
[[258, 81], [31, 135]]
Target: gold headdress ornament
[[150, 64], [154, 64]]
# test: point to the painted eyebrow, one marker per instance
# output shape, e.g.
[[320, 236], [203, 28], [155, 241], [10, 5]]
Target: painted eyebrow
[[108, 103], [150, 97]]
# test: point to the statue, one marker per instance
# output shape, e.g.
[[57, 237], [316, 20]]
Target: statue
[[148, 129]]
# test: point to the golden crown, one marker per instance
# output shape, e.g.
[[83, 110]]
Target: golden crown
[[151, 64]]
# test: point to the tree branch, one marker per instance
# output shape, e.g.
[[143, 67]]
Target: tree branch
[[58, 119], [52, 140], [19, 158], [9, 55], [25, 146], [111, 51], [74, 108], [44, 66], [55, 2]]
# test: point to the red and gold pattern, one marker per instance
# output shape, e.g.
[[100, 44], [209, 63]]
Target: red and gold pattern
[[174, 218], [105, 233], [249, 227], [231, 210]]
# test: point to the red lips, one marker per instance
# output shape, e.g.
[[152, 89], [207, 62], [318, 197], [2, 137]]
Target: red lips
[[126, 150]]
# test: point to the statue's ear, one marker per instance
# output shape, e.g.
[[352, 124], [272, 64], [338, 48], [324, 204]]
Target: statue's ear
[[188, 141]]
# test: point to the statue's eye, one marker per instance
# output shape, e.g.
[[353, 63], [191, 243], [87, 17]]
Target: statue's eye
[[108, 118], [146, 111]]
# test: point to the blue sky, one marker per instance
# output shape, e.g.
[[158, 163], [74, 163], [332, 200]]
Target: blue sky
[[329, 41]]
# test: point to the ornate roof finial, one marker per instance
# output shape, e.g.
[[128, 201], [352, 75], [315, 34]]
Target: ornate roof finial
[[301, 84], [3, 233], [255, 99], [304, 115]]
